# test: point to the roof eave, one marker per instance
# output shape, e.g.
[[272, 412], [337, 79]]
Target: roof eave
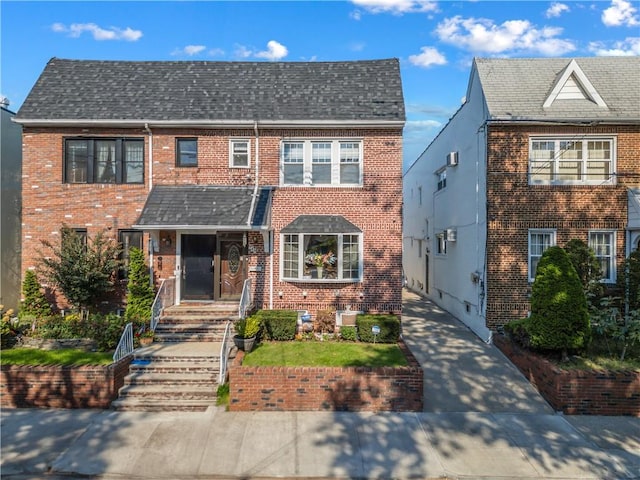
[[241, 228], [555, 121]]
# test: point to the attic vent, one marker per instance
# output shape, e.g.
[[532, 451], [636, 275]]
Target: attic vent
[[572, 91], [452, 159], [573, 84]]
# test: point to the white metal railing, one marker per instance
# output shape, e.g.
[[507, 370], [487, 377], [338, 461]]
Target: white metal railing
[[165, 297], [125, 345], [246, 301], [225, 350]]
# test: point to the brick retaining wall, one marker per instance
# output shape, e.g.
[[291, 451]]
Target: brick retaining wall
[[377, 389], [54, 386], [577, 392]]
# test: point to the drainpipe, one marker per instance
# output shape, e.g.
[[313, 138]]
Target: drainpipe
[[148, 130]]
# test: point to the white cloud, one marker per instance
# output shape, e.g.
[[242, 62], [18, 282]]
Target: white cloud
[[395, 7], [274, 51], [242, 52], [483, 36], [421, 125], [216, 52], [112, 33], [620, 13], [429, 56], [556, 9], [630, 46]]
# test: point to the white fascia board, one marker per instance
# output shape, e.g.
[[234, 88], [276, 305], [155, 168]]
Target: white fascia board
[[574, 69]]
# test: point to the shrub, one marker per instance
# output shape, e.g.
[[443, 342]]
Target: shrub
[[279, 325], [586, 264], [348, 333], [35, 304], [248, 327], [389, 328], [139, 291], [325, 321], [559, 318]]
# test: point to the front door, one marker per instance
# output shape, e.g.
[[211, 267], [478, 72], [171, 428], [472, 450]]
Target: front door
[[198, 255], [232, 266]]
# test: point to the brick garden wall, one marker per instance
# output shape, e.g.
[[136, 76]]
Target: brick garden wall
[[327, 388], [62, 386], [577, 392]]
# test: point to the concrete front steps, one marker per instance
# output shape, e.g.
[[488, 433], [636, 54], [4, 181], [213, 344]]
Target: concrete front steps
[[179, 371]]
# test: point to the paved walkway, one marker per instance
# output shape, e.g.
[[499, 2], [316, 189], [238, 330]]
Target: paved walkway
[[481, 420]]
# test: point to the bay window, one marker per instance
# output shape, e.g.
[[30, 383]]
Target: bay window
[[103, 160]]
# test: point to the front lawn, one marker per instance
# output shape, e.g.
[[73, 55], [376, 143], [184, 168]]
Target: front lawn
[[325, 354], [33, 356]]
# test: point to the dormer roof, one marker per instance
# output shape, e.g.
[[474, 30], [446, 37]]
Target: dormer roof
[[573, 84]]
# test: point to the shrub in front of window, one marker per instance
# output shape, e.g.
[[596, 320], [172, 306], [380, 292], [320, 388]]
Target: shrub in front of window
[[559, 318], [586, 264], [139, 291], [389, 328], [279, 325]]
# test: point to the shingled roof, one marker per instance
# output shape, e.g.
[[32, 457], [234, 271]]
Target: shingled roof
[[517, 88], [211, 92]]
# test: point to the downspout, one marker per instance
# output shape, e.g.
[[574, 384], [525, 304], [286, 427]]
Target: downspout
[[148, 130]]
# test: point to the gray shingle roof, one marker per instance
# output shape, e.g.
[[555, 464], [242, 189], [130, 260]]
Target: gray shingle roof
[[518, 88], [203, 206], [216, 91], [321, 224]]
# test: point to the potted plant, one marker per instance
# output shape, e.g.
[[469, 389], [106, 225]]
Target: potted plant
[[144, 336], [247, 330], [320, 260]]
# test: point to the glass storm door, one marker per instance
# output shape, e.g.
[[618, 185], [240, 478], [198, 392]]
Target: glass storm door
[[198, 255]]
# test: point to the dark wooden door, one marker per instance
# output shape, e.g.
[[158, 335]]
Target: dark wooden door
[[232, 267]]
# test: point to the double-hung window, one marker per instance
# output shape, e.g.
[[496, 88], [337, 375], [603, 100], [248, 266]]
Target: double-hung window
[[239, 153], [571, 160], [441, 243], [539, 241], [321, 162], [442, 178], [603, 245], [103, 160], [322, 257]]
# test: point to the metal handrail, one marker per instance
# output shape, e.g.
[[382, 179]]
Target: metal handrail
[[225, 350], [246, 301], [125, 345], [164, 298]]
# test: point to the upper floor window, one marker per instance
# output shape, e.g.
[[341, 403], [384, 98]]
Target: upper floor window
[[539, 241], [441, 243], [571, 160], [239, 154], [326, 162], [322, 257], [442, 178], [603, 245], [186, 152], [103, 160]]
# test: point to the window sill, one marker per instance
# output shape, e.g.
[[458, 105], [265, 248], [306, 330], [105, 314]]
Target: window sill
[[322, 280]]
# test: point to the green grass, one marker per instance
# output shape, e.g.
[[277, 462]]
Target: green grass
[[222, 399], [33, 356], [325, 354]]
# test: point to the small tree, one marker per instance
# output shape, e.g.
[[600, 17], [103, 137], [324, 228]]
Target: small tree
[[83, 269], [139, 291], [35, 303], [586, 264], [559, 316]]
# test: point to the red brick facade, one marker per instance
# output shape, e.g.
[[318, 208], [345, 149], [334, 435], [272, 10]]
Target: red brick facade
[[374, 207], [514, 207]]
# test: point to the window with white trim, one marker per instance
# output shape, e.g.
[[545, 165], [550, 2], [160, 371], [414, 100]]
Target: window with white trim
[[539, 241], [239, 152], [320, 257], [321, 162], [441, 243], [603, 245], [442, 178], [571, 160]]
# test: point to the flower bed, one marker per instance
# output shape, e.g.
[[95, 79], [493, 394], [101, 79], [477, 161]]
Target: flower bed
[[54, 386], [577, 392], [327, 388]]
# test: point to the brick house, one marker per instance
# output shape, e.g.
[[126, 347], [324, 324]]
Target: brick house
[[226, 171], [540, 152]]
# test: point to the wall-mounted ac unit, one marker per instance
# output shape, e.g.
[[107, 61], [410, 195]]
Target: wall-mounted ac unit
[[452, 159], [452, 234]]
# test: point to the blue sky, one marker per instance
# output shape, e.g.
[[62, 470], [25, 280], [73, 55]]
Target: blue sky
[[434, 41]]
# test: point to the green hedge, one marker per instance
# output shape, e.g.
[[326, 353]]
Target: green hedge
[[389, 328], [348, 333], [279, 325]]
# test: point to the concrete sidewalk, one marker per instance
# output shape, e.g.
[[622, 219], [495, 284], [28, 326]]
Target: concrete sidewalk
[[481, 420]]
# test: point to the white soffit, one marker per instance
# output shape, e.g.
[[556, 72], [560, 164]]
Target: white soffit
[[573, 84]]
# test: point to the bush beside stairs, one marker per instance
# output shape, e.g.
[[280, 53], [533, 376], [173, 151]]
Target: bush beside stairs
[[179, 371]]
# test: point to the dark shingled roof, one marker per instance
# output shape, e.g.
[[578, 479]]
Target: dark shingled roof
[[204, 206], [203, 91], [321, 224]]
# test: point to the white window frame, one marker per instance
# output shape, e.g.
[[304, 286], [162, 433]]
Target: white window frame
[[441, 243], [232, 144], [441, 179], [610, 257], [339, 257], [530, 255], [337, 161], [562, 156]]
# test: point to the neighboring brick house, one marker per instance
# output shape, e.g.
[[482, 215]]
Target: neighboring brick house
[[540, 152], [223, 171]]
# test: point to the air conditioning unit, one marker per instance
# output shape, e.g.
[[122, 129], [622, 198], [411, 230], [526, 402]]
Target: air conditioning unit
[[452, 234], [452, 159]]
